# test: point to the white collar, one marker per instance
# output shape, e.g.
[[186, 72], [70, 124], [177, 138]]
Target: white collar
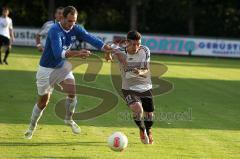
[[67, 31]]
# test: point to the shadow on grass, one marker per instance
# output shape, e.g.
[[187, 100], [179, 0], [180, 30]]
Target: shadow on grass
[[203, 61], [214, 104], [169, 59], [87, 143], [49, 157]]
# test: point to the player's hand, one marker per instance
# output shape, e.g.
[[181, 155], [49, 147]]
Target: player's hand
[[136, 71], [108, 56], [108, 52], [139, 72], [40, 48]]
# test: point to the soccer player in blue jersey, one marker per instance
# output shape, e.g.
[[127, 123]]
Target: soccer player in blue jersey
[[53, 67]]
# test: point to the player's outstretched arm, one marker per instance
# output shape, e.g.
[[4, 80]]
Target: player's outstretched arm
[[118, 54], [94, 41], [11, 35], [107, 52], [81, 53], [141, 72]]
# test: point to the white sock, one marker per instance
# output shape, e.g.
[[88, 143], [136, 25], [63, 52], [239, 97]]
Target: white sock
[[36, 115], [70, 107]]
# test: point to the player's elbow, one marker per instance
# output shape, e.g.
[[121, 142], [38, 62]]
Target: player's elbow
[[59, 54]]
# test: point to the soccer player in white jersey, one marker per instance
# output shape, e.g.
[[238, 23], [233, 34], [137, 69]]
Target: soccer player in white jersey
[[53, 66], [6, 33], [134, 62], [46, 26]]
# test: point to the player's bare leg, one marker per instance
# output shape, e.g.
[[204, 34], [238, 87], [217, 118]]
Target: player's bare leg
[[148, 121], [36, 114], [68, 86], [137, 109]]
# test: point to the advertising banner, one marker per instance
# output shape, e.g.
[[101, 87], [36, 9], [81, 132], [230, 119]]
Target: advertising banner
[[157, 44]]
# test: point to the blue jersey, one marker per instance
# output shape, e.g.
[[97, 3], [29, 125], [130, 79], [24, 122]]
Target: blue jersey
[[60, 40]]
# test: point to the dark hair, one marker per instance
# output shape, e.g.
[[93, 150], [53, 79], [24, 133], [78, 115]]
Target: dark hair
[[133, 35], [69, 10], [59, 8], [5, 8]]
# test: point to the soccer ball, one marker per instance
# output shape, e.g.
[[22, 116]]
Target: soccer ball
[[117, 141]]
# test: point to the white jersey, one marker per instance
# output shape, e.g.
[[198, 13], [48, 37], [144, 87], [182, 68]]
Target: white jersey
[[5, 26], [45, 28], [140, 60]]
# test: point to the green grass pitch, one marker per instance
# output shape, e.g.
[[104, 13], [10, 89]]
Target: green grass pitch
[[207, 89]]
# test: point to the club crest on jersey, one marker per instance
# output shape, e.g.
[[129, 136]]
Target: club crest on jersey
[[73, 38]]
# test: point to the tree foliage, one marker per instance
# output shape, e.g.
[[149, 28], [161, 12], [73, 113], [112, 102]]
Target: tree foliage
[[172, 17]]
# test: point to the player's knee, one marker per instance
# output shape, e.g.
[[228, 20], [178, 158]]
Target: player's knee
[[72, 99], [42, 105], [149, 116], [69, 87], [72, 96], [8, 48], [43, 101], [137, 107]]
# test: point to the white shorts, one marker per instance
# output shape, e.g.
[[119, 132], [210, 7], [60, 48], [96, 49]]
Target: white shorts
[[47, 77]]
